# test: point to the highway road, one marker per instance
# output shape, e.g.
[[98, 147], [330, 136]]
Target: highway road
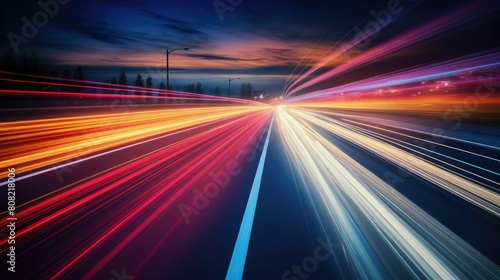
[[252, 192]]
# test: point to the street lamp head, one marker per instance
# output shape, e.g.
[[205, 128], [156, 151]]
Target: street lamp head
[[168, 52]]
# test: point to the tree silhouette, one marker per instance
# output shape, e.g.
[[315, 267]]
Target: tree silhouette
[[66, 74], [9, 63], [24, 66], [122, 80], [106, 86], [113, 82], [35, 67], [139, 82], [191, 88], [246, 90], [54, 74], [149, 82], [78, 74], [199, 88], [242, 89]]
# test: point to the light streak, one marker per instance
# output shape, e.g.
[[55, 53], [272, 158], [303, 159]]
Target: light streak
[[456, 17], [458, 185], [169, 174], [62, 87], [383, 233], [364, 93], [34, 144]]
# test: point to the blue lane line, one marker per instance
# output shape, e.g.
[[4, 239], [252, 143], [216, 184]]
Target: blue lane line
[[237, 264]]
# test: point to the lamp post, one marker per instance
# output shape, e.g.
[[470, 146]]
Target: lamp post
[[168, 52], [230, 85]]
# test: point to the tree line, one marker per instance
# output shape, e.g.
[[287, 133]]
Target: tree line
[[30, 64]]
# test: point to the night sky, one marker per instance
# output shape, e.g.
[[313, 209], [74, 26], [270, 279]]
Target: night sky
[[258, 41], [380, 151]]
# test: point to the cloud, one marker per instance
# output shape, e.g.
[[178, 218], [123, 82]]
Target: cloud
[[218, 57], [162, 17], [185, 30]]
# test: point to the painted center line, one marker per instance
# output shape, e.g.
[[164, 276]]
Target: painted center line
[[237, 264]]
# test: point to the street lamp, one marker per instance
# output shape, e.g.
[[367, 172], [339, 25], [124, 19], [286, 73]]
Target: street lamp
[[169, 51], [230, 85]]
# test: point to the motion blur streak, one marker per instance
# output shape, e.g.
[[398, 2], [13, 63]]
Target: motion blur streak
[[446, 22], [458, 185], [383, 234], [33, 144], [74, 88], [130, 197], [412, 88]]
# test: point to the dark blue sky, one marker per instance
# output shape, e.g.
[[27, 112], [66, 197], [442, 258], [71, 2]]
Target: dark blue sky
[[259, 41]]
